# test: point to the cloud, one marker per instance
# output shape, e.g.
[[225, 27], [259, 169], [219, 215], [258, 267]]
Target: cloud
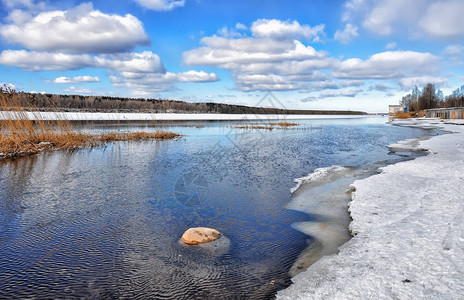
[[267, 61], [23, 4], [161, 5], [78, 30], [229, 32], [339, 93], [389, 64], [423, 18], [271, 61], [322, 85], [151, 82], [345, 36], [77, 79], [390, 46], [408, 83], [240, 26], [455, 53], [262, 82], [347, 83], [227, 52], [381, 87], [384, 14], [277, 29], [308, 99], [39, 61], [444, 19], [74, 90], [353, 7]]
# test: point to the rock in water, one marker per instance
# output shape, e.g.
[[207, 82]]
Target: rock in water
[[200, 235]]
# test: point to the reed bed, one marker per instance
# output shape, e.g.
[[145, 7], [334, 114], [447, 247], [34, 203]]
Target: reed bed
[[268, 126], [22, 136], [284, 124]]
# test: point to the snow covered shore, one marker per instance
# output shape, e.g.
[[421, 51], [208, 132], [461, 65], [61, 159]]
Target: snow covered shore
[[88, 116], [408, 224]]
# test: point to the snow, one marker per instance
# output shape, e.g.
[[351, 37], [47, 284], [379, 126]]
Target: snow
[[88, 116], [408, 227], [318, 175]]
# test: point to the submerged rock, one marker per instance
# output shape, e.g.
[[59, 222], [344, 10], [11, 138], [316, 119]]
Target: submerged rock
[[200, 235]]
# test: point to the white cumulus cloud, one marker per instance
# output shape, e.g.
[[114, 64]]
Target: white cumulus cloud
[[266, 61], [444, 19], [77, 79], [419, 18], [78, 30], [408, 83], [389, 64], [152, 83], [277, 29], [39, 61]]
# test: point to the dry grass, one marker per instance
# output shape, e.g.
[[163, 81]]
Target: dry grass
[[285, 124], [23, 136], [404, 115], [268, 126], [409, 114]]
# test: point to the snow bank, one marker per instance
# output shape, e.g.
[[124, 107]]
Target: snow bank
[[87, 116], [408, 224]]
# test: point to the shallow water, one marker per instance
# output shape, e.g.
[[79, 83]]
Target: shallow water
[[106, 222]]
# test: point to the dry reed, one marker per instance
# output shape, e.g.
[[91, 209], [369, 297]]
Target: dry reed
[[285, 124], [19, 135], [410, 114], [268, 126]]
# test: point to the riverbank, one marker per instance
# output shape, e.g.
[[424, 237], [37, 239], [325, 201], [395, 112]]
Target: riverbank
[[408, 230]]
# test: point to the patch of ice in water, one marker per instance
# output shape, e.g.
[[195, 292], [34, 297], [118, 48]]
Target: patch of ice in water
[[323, 194]]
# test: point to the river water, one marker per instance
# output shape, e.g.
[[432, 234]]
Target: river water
[[106, 222]]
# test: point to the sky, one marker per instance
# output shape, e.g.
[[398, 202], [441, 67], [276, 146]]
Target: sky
[[310, 54]]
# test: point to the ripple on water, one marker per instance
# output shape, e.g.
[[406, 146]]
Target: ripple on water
[[105, 223]]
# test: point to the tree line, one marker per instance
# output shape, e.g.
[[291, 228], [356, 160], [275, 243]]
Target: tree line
[[54, 102], [430, 97]]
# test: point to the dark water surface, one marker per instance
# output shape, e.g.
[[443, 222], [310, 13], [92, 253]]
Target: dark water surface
[[106, 222]]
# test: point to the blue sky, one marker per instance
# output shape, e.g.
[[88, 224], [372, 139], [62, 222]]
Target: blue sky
[[354, 54]]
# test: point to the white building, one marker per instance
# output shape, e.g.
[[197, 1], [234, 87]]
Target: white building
[[393, 109]]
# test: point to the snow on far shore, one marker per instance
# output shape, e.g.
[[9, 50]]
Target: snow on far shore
[[88, 116], [408, 224]]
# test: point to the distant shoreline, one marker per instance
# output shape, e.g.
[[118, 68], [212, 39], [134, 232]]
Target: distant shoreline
[[98, 116]]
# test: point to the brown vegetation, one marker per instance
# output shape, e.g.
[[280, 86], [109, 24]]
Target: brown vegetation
[[410, 114], [23, 136], [284, 124], [268, 126]]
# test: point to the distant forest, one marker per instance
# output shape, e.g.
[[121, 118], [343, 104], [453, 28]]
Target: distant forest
[[429, 97], [52, 102]]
